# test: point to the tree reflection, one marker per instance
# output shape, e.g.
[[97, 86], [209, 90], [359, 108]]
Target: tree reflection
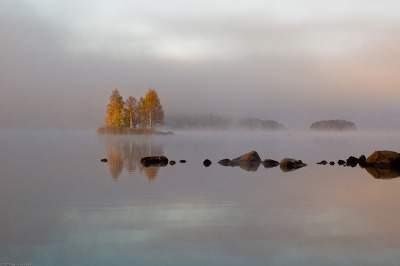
[[126, 153]]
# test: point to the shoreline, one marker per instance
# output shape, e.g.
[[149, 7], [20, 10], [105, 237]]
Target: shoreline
[[131, 131]]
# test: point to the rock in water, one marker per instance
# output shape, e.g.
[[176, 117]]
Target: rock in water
[[172, 162], [207, 163], [289, 164], [104, 160], [182, 161], [268, 163], [323, 162], [332, 163], [341, 162], [225, 162], [352, 161], [154, 161], [248, 157], [384, 159], [362, 161]]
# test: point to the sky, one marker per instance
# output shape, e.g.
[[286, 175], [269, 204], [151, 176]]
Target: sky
[[295, 61]]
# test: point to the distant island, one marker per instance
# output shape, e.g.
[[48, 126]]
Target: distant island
[[212, 121], [334, 125], [133, 116]]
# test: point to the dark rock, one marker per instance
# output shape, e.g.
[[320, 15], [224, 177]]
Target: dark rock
[[289, 164], [154, 161], [362, 161], [104, 160], [341, 162], [384, 159], [172, 162], [352, 161], [225, 162], [182, 161], [207, 163], [323, 162], [332, 163], [268, 163]]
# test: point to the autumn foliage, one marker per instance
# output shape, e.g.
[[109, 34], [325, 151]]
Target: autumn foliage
[[145, 113]]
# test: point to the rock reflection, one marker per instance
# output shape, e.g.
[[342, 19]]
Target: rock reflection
[[383, 173], [126, 153]]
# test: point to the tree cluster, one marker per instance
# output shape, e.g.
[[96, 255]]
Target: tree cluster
[[147, 112]]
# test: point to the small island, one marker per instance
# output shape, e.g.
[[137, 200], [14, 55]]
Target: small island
[[333, 125], [133, 116]]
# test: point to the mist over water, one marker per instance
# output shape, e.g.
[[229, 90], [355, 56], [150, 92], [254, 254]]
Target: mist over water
[[231, 78]]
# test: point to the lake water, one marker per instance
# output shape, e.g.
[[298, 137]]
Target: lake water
[[60, 205]]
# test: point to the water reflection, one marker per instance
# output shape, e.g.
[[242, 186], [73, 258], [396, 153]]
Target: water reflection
[[382, 173], [127, 152]]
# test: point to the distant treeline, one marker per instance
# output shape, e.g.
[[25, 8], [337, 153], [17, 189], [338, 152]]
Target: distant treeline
[[219, 122], [144, 113], [212, 121]]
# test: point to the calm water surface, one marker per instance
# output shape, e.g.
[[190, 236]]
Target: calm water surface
[[60, 206]]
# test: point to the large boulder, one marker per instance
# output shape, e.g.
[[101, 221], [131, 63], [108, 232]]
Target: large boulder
[[289, 164], [251, 156], [249, 161], [384, 159]]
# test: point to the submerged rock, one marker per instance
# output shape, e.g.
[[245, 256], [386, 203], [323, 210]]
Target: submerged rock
[[104, 160], [269, 163], [154, 161], [352, 161], [289, 164], [207, 163], [384, 159], [323, 162]]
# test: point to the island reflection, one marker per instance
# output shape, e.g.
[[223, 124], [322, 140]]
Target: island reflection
[[123, 153]]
